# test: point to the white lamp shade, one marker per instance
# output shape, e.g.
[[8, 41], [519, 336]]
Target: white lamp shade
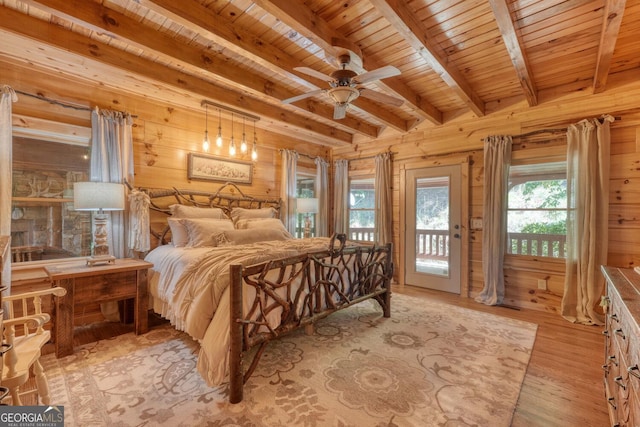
[[93, 196], [309, 205]]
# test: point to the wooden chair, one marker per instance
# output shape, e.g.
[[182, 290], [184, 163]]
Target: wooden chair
[[24, 331]]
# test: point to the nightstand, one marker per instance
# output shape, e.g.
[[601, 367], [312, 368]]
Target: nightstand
[[125, 279]]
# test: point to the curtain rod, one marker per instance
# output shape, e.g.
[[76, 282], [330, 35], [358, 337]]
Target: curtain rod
[[308, 156], [61, 103], [553, 130], [370, 157], [536, 132]]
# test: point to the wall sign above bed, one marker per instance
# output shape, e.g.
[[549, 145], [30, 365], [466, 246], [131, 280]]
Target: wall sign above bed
[[211, 168]]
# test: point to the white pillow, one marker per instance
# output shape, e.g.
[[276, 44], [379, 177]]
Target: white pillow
[[184, 211], [179, 233], [242, 213], [275, 223], [204, 231], [254, 235]]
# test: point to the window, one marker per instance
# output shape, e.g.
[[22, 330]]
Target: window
[[362, 209], [44, 224], [305, 188], [537, 210]]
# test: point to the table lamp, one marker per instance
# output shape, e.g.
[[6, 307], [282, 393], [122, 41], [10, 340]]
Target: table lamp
[[101, 197], [307, 206]]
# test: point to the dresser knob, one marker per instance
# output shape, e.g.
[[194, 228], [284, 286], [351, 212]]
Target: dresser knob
[[634, 370], [612, 358], [620, 333], [612, 402], [614, 316], [618, 380]]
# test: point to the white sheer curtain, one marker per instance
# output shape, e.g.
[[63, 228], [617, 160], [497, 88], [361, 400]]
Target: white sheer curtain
[[588, 149], [288, 190], [7, 97], [112, 161], [497, 160], [322, 194], [341, 196], [383, 199]]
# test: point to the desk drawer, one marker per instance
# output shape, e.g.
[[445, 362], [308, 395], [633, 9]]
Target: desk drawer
[[105, 287]]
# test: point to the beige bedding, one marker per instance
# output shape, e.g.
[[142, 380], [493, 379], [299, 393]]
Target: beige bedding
[[189, 286]]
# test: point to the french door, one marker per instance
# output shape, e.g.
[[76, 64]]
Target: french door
[[433, 228]]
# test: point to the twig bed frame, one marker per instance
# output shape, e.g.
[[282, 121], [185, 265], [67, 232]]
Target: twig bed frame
[[303, 289]]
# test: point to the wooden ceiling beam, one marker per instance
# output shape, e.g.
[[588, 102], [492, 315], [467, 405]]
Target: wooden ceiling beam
[[407, 25], [241, 42], [515, 47], [53, 35], [613, 13], [104, 20], [318, 31]]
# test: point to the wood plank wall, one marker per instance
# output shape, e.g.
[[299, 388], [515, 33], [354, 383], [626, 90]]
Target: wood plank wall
[[164, 135], [463, 137]]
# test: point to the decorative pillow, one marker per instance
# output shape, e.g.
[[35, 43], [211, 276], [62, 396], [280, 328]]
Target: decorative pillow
[[254, 235], [184, 211], [179, 234], [274, 223], [242, 213], [204, 231]]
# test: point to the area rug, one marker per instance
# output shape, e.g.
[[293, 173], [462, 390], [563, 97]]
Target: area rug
[[430, 364]]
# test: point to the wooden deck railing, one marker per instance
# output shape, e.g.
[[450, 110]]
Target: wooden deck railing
[[434, 244], [548, 245]]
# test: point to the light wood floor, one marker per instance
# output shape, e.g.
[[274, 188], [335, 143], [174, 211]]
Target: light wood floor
[[563, 385]]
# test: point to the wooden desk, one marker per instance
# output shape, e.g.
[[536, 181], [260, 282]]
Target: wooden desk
[[125, 279]]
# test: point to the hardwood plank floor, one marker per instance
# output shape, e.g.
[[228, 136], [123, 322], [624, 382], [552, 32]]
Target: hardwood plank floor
[[563, 385]]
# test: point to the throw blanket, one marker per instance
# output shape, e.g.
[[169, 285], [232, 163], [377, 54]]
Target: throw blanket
[[195, 297]]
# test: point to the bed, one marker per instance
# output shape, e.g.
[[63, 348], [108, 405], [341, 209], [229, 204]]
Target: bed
[[233, 288]]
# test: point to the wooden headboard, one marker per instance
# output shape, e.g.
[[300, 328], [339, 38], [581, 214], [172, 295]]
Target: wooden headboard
[[227, 197]]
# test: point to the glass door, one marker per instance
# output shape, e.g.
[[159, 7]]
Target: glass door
[[433, 236]]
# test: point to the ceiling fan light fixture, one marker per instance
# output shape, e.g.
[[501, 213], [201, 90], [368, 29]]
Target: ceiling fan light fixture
[[343, 94]]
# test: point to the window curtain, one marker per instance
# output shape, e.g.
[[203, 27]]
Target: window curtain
[[588, 148], [112, 161], [288, 190], [7, 97], [341, 196], [322, 193], [497, 159], [383, 199]]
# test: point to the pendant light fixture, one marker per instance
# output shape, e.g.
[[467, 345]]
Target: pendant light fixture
[[243, 142], [219, 137], [205, 141], [254, 148], [232, 144]]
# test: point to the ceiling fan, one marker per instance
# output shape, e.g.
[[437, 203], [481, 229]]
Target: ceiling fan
[[345, 86]]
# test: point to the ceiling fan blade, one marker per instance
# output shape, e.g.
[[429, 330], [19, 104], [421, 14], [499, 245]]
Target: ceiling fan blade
[[380, 97], [302, 96], [380, 73], [340, 111], [313, 73]]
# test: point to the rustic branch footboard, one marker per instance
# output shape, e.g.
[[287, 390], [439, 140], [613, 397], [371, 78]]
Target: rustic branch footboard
[[287, 294]]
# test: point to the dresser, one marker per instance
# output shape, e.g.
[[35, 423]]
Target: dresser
[[622, 346]]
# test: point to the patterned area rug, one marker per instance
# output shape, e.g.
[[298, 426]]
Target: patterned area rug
[[430, 364]]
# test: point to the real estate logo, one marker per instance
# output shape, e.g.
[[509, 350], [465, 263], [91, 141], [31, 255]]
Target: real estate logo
[[31, 416]]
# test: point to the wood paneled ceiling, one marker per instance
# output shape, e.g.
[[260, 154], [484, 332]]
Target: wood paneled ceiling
[[457, 58]]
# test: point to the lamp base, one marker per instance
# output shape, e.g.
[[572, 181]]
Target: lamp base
[[100, 260]]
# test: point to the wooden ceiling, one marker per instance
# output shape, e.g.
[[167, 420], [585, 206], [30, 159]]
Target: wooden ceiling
[[457, 58]]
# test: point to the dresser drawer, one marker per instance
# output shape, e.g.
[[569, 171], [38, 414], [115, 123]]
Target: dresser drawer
[[105, 287]]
